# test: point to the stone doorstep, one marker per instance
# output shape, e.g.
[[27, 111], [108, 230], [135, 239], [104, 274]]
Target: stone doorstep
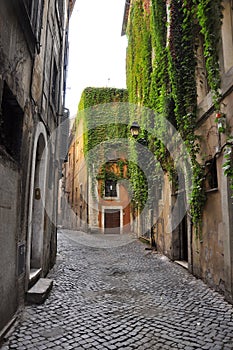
[[39, 292], [182, 263]]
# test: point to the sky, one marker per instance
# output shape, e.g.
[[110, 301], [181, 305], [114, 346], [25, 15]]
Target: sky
[[97, 50]]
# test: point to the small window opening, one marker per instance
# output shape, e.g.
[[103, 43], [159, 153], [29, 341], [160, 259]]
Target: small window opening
[[54, 84], [211, 175], [110, 188], [11, 121]]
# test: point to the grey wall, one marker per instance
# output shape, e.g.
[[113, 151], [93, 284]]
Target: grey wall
[[9, 219]]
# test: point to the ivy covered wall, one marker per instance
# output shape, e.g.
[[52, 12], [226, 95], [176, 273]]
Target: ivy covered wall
[[161, 61], [92, 96], [104, 115], [104, 112]]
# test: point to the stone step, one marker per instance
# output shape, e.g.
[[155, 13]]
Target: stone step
[[39, 292], [182, 263]]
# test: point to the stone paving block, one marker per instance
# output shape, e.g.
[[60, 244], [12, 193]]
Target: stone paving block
[[121, 298]]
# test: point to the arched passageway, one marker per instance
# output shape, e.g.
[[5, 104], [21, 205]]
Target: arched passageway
[[37, 206]]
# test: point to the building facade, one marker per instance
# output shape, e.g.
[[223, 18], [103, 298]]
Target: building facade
[[73, 209], [94, 196], [185, 60], [33, 56], [113, 195]]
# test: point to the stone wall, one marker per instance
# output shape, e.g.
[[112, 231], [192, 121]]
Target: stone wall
[[31, 107]]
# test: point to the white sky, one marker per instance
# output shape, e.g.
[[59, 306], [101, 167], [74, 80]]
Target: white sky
[[96, 48]]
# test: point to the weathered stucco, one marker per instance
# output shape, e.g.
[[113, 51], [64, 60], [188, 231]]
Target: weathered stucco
[[31, 97], [9, 218]]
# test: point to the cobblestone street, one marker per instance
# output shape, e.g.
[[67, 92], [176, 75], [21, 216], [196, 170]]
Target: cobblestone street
[[117, 295]]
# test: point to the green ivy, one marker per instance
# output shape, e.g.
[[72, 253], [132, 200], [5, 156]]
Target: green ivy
[[139, 55], [112, 171], [101, 112], [210, 18], [161, 76], [102, 123], [164, 78], [209, 14], [182, 76]]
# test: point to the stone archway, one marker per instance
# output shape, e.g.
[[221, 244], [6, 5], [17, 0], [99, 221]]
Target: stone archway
[[36, 206], [38, 209]]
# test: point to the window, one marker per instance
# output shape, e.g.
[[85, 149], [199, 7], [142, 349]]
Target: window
[[11, 121], [81, 193], [36, 15], [211, 174], [51, 170], [54, 83], [76, 196], [60, 12], [110, 188], [31, 13], [159, 192]]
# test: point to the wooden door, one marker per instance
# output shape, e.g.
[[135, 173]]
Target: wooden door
[[112, 221]]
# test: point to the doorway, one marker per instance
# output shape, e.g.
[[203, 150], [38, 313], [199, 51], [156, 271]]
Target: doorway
[[38, 208], [183, 236], [112, 221], [36, 218], [183, 229]]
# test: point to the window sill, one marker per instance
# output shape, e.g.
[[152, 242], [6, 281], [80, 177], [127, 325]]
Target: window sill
[[212, 190], [111, 198]]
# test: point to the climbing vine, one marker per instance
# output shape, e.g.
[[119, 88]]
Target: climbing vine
[[168, 73], [210, 17], [105, 123], [209, 14], [139, 55], [161, 75], [182, 76], [112, 171], [103, 118]]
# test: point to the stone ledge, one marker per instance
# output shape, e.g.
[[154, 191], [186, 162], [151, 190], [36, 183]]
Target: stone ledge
[[39, 292], [182, 263]]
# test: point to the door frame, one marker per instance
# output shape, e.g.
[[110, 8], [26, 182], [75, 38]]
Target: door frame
[[40, 133], [120, 208]]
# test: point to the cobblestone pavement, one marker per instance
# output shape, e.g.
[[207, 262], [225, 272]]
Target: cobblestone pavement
[[123, 297]]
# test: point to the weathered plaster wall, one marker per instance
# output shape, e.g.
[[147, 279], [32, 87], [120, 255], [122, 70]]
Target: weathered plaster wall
[[213, 252], [33, 95], [16, 63], [163, 232], [9, 219]]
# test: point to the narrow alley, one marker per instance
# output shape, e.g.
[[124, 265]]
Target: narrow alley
[[113, 294]]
